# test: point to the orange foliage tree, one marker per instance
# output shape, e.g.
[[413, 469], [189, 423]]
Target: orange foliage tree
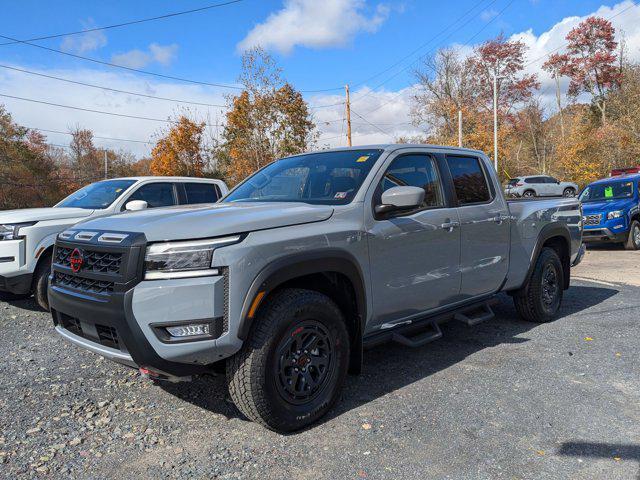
[[181, 151]]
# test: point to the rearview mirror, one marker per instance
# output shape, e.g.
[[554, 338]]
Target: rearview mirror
[[400, 198], [135, 205]]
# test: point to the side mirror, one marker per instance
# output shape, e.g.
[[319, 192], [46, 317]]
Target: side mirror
[[400, 198], [135, 205]]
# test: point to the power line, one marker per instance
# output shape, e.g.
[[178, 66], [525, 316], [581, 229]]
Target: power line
[[432, 39], [94, 136], [372, 124], [76, 82], [115, 65], [91, 110], [124, 24]]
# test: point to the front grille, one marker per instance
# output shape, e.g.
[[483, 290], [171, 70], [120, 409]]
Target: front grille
[[94, 261], [108, 336], [84, 284], [102, 334], [592, 219]]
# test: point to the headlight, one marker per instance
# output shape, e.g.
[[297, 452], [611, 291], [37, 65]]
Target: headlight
[[614, 214], [11, 231], [183, 259]]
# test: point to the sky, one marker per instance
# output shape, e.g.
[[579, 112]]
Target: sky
[[321, 45]]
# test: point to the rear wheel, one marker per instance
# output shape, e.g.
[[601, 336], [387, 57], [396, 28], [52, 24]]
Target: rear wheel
[[633, 240], [529, 194], [569, 192], [291, 367], [540, 298], [41, 281]]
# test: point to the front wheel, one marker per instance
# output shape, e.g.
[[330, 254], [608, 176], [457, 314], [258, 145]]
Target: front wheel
[[41, 282], [633, 240], [540, 298], [569, 192], [293, 363]]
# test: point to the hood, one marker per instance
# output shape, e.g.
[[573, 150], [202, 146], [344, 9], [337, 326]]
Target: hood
[[202, 221], [607, 206], [42, 214]]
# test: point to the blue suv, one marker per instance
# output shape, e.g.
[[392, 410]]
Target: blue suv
[[611, 211]]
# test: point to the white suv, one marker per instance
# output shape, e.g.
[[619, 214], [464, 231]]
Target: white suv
[[539, 186], [27, 235]]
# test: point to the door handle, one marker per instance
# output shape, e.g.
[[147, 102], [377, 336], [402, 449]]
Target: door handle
[[449, 226], [500, 218]]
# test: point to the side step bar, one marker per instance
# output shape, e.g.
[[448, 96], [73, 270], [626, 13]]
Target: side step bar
[[429, 335], [420, 331], [482, 314]]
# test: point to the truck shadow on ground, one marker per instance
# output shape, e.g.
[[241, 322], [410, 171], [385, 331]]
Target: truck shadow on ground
[[390, 367], [606, 451]]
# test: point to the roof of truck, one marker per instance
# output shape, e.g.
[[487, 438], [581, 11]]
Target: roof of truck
[[629, 176], [394, 146], [151, 177]]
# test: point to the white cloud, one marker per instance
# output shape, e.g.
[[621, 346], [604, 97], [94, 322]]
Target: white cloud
[[85, 42], [136, 58], [314, 24], [487, 15], [57, 118]]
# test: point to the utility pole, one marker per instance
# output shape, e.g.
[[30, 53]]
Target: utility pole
[[106, 165], [460, 128], [495, 120], [346, 87]]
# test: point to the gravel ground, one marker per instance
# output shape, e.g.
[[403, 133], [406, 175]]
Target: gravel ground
[[505, 399]]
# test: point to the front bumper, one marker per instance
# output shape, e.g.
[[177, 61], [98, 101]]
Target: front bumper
[[597, 235], [19, 285], [125, 323]]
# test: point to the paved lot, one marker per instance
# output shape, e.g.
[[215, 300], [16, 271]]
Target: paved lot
[[505, 399]]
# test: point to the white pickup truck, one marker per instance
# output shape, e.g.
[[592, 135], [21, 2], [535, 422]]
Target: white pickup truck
[[27, 235]]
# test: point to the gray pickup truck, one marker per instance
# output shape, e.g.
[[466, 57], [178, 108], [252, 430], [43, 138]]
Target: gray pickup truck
[[306, 263]]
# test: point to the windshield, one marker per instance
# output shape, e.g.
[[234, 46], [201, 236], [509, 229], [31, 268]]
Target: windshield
[[329, 178], [513, 182], [607, 191], [97, 195]]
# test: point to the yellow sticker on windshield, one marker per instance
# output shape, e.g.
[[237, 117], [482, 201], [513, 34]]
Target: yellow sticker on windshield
[[363, 158], [608, 192], [118, 190]]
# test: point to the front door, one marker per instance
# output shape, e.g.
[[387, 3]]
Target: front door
[[414, 257], [485, 227]]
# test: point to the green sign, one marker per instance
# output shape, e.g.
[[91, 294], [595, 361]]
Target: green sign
[[608, 192]]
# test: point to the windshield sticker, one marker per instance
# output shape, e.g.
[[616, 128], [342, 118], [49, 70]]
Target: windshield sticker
[[118, 190], [340, 195], [363, 158], [608, 192]]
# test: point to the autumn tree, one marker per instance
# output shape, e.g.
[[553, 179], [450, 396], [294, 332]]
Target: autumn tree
[[28, 170], [591, 65], [558, 66], [181, 150], [267, 120]]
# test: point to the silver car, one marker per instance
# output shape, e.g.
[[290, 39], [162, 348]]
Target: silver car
[[539, 186]]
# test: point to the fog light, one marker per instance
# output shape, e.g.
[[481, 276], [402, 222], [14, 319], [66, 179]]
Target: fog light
[[193, 330]]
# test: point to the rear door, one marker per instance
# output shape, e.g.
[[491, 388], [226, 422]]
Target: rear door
[[414, 256], [484, 219], [200, 192]]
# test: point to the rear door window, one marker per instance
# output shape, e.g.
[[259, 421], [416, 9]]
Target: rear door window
[[201, 193], [469, 180], [155, 194]]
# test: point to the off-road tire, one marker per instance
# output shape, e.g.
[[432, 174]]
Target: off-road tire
[[41, 281], [530, 300], [529, 194], [569, 192], [253, 374], [633, 240]]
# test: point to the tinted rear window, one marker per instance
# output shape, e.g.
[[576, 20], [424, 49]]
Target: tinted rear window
[[201, 193], [469, 180]]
